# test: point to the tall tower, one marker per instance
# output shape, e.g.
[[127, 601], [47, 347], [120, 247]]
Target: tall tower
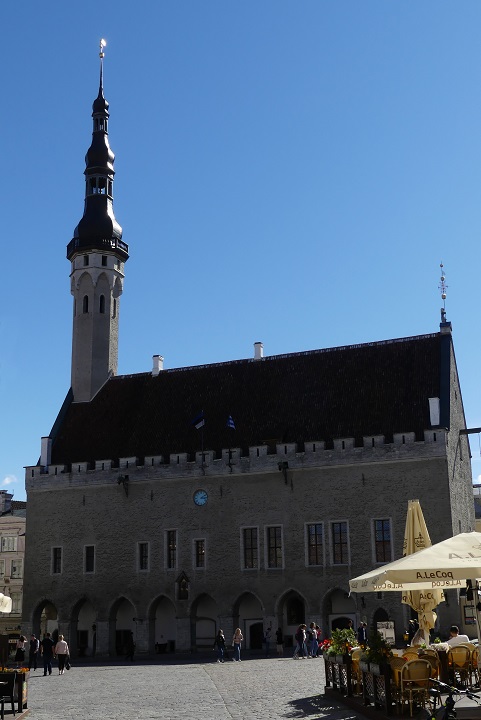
[[97, 255]]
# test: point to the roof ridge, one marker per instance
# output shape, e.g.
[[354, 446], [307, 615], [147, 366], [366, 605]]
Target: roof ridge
[[319, 351]]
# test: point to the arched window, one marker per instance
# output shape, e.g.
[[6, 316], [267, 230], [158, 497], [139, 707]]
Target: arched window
[[102, 304], [86, 304]]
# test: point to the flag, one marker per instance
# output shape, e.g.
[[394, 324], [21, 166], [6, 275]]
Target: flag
[[230, 423], [199, 421]]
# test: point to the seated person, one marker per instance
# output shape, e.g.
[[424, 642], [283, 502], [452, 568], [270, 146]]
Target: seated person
[[455, 638]]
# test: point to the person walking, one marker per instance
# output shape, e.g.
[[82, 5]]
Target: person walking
[[46, 651], [267, 639], [237, 643], [20, 651], [33, 652], [219, 645], [61, 651], [279, 642]]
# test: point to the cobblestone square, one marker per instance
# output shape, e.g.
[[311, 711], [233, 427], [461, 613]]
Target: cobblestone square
[[253, 689]]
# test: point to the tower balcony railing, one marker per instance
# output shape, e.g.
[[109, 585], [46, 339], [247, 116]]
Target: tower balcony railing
[[104, 244]]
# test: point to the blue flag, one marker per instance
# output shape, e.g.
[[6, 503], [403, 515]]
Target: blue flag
[[230, 423], [199, 421]]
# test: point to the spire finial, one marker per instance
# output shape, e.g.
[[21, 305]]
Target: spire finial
[[102, 44], [443, 287]]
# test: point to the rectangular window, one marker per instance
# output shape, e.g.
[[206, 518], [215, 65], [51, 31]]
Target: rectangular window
[[382, 541], [16, 603], [56, 560], [143, 555], [274, 547], [340, 547], [2, 568], [315, 550], [9, 543], [251, 548], [171, 549], [104, 260], [200, 553], [17, 569], [89, 559]]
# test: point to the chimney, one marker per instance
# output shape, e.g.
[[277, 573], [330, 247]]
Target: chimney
[[46, 452], [258, 351], [157, 365]]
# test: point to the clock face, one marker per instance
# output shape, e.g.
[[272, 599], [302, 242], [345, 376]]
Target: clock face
[[200, 497]]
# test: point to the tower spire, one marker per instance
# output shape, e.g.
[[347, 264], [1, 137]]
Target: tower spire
[[97, 254], [102, 44]]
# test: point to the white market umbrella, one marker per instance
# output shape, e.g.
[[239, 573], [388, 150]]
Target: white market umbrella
[[447, 564], [416, 538]]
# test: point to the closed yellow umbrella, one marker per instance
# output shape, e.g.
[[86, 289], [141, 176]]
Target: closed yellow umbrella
[[416, 537]]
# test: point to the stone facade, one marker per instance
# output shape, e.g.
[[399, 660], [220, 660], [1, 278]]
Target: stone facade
[[356, 485]]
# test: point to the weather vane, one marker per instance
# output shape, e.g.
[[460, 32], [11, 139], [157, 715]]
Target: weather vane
[[443, 287], [102, 44]]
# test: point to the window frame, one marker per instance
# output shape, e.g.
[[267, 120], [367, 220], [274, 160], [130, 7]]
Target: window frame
[[18, 575], [254, 549], [13, 538], [203, 554], [143, 555], [168, 552], [374, 542], [53, 559], [347, 560], [308, 545], [86, 570], [267, 532]]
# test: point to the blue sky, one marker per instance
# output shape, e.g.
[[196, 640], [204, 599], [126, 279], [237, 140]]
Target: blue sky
[[286, 171]]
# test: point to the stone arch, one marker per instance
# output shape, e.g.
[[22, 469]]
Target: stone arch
[[122, 624], [379, 615], [83, 629], [291, 610], [162, 625], [45, 619], [204, 621], [338, 609], [248, 614]]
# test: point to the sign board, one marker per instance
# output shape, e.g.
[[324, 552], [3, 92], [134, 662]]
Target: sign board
[[386, 629]]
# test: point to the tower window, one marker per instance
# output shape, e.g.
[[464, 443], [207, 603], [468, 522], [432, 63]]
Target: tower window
[[104, 260], [114, 311], [86, 259], [102, 304], [86, 304]]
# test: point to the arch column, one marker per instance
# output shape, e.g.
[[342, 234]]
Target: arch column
[[102, 638], [142, 637]]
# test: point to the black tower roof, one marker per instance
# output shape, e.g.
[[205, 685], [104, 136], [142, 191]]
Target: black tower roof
[[98, 229]]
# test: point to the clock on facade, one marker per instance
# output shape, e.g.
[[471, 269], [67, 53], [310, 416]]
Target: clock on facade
[[200, 497]]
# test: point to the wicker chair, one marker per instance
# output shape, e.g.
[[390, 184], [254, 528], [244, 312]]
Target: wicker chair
[[397, 664], [356, 673], [459, 663], [415, 682], [410, 654]]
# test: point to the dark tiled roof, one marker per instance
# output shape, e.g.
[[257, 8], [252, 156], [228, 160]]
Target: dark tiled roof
[[19, 504], [373, 389]]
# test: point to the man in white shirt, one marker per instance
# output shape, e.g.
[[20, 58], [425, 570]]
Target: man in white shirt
[[455, 638]]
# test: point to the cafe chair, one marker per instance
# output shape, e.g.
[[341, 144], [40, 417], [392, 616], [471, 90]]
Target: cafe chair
[[415, 683], [459, 664], [396, 664], [7, 689], [410, 654]]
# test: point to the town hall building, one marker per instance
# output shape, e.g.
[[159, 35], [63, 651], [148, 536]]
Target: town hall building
[[236, 494]]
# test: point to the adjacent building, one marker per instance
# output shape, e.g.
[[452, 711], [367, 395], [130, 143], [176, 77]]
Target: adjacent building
[[237, 494]]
